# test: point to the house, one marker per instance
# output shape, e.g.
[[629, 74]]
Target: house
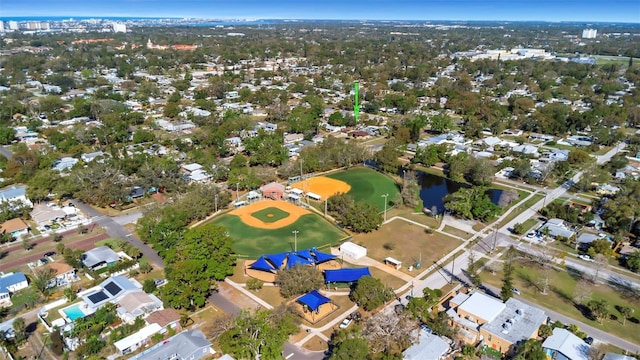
[[525, 149], [190, 345], [428, 347], [576, 140], [500, 325], [110, 290], [166, 318], [64, 164], [557, 227], [16, 227], [607, 190], [15, 194], [9, 284], [99, 257], [563, 344], [134, 341], [89, 157], [137, 304], [614, 356], [63, 274], [44, 215]]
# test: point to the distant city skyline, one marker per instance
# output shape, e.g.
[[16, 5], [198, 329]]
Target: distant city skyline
[[506, 10]]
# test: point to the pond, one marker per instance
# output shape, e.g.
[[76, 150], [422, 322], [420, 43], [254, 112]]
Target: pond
[[434, 188]]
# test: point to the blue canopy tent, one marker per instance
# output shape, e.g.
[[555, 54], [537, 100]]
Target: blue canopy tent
[[322, 257], [345, 275], [313, 300], [297, 260], [262, 264], [277, 259], [304, 254]]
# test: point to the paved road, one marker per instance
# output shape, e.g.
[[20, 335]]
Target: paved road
[[119, 231], [85, 244], [4, 151]]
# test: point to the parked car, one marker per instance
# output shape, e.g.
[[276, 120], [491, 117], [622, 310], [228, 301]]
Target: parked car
[[50, 253], [345, 323], [588, 340], [515, 291], [585, 257], [531, 234]]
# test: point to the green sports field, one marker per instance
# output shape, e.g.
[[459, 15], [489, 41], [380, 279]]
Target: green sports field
[[368, 185], [251, 242], [270, 214]]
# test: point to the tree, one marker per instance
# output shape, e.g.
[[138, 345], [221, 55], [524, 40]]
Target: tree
[[41, 278], [599, 309], [204, 255], [389, 334], [261, 334], [471, 203], [299, 280], [387, 157], [356, 348], [600, 247], [20, 329], [633, 261], [27, 245], [582, 291], [472, 270], [370, 293], [626, 312], [600, 261], [7, 135], [506, 291], [410, 189], [530, 349], [363, 217], [479, 171], [149, 286], [70, 293]]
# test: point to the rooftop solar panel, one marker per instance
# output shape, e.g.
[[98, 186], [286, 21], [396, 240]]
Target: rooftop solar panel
[[112, 288], [97, 297]]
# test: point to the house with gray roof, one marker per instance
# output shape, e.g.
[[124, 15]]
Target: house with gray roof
[[15, 193], [428, 347], [185, 345], [557, 227], [563, 344], [99, 257]]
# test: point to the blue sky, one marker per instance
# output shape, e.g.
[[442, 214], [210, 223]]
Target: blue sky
[[516, 10]]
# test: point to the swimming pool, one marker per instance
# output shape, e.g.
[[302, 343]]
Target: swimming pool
[[74, 312]]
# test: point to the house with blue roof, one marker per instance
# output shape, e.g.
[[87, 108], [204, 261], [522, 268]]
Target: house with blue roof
[[9, 284], [15, 194]]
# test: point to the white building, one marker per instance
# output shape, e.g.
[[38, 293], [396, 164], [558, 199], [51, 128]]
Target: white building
[[589, 33], [13, 25], [119, 27], [1, 26]]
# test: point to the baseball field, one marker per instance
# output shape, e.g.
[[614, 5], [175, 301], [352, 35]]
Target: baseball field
[[367, 185], [267, 227]]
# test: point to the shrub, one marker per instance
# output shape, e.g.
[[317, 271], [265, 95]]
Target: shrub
[[254, 284], [389, 246]]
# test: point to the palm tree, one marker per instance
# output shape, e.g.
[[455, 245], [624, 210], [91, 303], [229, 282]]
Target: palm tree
[[20, 329]]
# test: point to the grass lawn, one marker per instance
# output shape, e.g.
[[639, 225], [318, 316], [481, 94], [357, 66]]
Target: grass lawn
[[519, 209], [24, 297], [270, 214], [457, 232], [252, 242], [408, 242], [386, 278], [368, 185], [270, 294], [113, 243], [560, 297]]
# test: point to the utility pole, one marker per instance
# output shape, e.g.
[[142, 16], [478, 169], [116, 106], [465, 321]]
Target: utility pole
[[237, 188], [453, 264], [215, 201], [385, 196], [295, 240], [325, 207]]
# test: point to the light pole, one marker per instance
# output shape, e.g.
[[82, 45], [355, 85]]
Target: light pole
[[295, 240], [215, 201], [385, 196]]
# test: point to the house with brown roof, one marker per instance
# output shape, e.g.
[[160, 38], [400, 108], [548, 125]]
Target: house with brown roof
[[166, 318], [16, 227], [63, 273]]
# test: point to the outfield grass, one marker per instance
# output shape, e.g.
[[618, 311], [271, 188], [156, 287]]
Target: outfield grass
[[368, 185], [270, 214], [252, 242]]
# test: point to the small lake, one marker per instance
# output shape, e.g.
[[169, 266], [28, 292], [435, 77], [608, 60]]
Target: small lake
[[434, 188]]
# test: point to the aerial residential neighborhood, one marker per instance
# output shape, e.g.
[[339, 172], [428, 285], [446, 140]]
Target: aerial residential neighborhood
[[190, 188]]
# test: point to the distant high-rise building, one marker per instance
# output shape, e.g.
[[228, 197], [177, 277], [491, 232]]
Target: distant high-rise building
[[33, 25], [44, 25], [589, 33], [13, 25], [1, 26], [119, 27]]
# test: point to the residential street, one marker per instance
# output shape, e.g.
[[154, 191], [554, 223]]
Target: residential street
[[114, 229]]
